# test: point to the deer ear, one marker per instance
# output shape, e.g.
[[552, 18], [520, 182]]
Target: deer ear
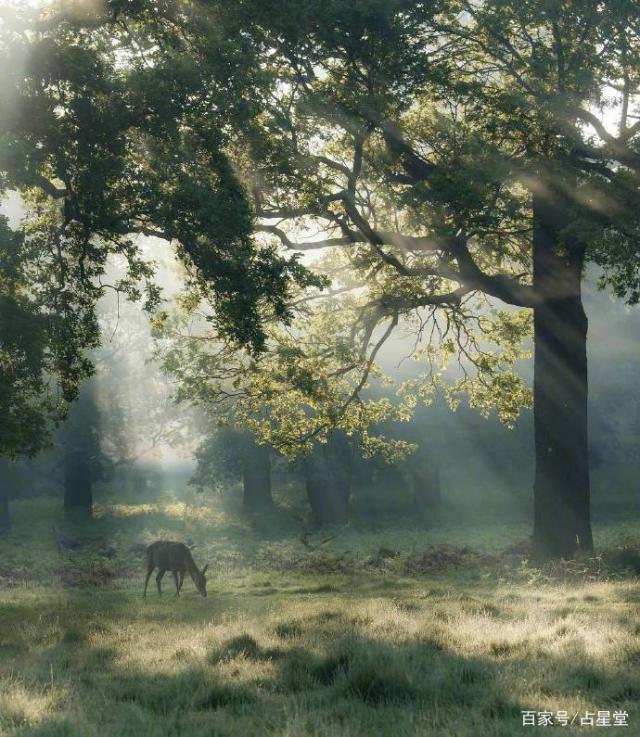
[[204, 570]]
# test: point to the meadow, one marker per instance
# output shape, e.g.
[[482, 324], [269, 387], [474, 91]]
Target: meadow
[[390, 628]]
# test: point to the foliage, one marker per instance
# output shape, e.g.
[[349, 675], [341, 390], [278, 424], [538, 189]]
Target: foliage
[[219, 458], [347, 120], [320, 376], [108, 131], [419, 172], [43, 331]]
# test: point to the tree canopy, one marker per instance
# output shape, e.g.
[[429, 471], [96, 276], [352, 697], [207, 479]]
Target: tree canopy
[[449, 154], [453, 153], [109, 131]]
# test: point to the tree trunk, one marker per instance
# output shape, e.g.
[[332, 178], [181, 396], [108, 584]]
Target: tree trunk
[[5, 516], [562, 516], [83, 455], [78, 492], [256, 475], [328, 483]]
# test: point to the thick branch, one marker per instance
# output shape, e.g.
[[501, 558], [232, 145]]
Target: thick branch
[[311, 245], [505, 288], [37, 180], [424, 300], [417, 169], [384, 237], [615, 148], [469, 275], [630, 132]]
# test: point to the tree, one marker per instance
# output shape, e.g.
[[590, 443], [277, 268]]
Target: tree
[[104, 139], [557, 63], [256, 474], [228, 454], [425, 478], [81, 450], [457, 151], [5, 516], [327, 476]]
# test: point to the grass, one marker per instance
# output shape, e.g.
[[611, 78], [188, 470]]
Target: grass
[[339, 640]]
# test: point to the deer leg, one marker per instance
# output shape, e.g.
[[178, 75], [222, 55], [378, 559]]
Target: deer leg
[[181, 581], [146, 581], [175, 578], [161, 573]]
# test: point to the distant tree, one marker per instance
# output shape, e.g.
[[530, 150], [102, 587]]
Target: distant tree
[[256, 474], [425, 478], [227, 455], [327, 474], [84, 462], [5, 515]]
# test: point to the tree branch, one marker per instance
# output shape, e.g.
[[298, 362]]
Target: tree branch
[[37, 180], [417, 169], [311, 245], [505, 288], [424, 300], [615, 148], [385, 237]]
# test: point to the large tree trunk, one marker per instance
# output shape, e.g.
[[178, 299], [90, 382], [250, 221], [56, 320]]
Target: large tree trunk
[[328, 482], [256, 475], [562, 516], [78, 490], [5, 516]]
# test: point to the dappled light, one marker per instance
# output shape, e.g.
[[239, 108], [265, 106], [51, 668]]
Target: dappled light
[[319, 346]]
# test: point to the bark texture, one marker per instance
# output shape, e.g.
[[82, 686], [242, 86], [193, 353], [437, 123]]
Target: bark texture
[[562, 514]]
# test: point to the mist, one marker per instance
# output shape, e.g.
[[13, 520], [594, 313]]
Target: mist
[[319, 330]]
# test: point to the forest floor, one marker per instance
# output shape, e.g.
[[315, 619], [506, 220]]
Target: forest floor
[[380, 631]]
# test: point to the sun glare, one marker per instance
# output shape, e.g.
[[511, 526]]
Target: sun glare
[[75, 7]]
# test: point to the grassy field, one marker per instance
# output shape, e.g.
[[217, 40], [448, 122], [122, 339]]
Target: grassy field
[[385, 630]]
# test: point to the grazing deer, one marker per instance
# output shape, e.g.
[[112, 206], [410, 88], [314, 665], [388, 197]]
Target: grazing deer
[[174, 557]]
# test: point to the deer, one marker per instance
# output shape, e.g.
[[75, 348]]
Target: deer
[[174, 557]]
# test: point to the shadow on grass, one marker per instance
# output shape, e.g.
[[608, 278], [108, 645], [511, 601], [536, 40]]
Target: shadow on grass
[[321, 665], [371, 672]]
